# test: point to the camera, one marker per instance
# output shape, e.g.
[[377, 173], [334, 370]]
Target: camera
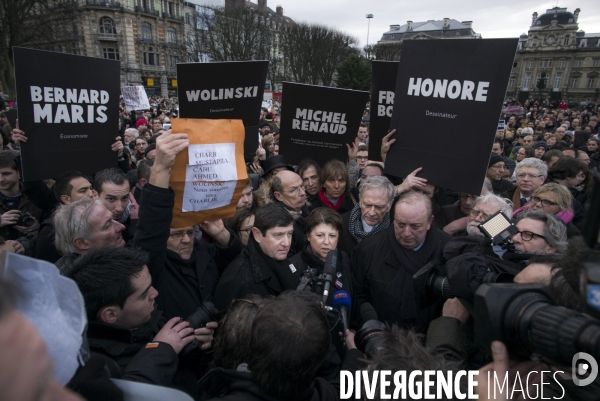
[[25, 220], [368, 338], [204, 314], [524, 317]]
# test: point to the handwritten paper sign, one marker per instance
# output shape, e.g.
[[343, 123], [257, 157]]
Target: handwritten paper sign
[[135, 98]]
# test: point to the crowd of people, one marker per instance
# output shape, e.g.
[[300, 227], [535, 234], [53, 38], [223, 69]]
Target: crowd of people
[[244, 308]]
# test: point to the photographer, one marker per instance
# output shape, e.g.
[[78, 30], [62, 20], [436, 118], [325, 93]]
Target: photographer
[[127, 328]]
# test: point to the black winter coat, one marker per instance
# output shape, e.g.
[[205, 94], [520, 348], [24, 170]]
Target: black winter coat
[[347, 241], [182, 285]]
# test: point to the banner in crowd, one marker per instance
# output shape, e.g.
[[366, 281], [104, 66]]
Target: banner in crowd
[[68, 109], [209, 178], [447, 104], [317, 122], [135, 98], [383, 86], [224, 90]]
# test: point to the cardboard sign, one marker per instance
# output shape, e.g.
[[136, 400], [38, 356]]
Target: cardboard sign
[[224, 90], [318, 122], [209, 178], [67, 110], [383, 86], [135, 98], [447, 104]]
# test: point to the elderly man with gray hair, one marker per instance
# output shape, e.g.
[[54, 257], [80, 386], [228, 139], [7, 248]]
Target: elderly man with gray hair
[[530, 174], [540, 233], [82, 225], [370, 215]]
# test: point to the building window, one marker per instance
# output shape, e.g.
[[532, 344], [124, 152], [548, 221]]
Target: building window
[[561, 64], [515, 64], [574, 82], [541, 79], [566, 42], [596, 62], [557, 80], [173, 60], [583, 43], [520, 46], [188, 20], [170, 7], [578, 62], [171, 35], [146, 32], [534, 42], [110, 53], [545, 63], [527, 81], [511, 81], [151, 58], [107, 26], [530, 64], [590, 83]]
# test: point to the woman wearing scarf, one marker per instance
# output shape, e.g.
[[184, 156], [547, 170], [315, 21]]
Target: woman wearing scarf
[[334, 193]]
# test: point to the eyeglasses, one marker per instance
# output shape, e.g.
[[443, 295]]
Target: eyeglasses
[[476, 213], [179, 235], [500, 167], [362, 157], [295, 191], [545, 202], [530, 176], [528, 235], [246, 230]]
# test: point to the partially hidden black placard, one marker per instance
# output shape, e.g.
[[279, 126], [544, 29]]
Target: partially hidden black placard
[[68, 108], [317, 122], [448, 99], [383, 86], [224, 90]]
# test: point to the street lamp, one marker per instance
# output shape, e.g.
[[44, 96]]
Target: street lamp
[[369, 16]]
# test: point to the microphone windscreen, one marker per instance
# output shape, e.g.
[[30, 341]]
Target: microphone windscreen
[[341, 298], [330, 263]]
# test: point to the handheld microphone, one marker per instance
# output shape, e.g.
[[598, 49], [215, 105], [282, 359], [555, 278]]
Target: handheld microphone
[[329, 271], [342, 302]]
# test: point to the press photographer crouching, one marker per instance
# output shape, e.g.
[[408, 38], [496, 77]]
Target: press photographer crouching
[[137, 342], [288, 341]]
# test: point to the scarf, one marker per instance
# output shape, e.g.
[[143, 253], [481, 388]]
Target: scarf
[[410, 262], [186, 267], [287, 279], [356, 227], [328, 203]]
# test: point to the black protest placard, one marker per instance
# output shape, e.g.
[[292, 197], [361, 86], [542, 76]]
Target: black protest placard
[[317, 122], [68, 110], [224, 90], [383, 87], [447, 103]]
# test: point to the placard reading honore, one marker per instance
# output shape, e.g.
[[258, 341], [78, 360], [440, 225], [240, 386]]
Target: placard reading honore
[[223, 90], [318, 122], [135, 98], [67, 109], [447, 104], [383, 85], [211, 177]]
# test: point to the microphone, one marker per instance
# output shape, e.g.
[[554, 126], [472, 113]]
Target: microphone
[[367, 312], [342, 302], [329, 271]]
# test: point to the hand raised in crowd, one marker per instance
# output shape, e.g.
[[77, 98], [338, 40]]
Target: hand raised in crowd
[[17, 135], [261, 152], [176, 333], [454, 308], [134, 208], [205, 334], [117, 146], [216, 229], [168, 145], [502, 366], [411, 182], [386, 143], [256, 168], [352, 151]]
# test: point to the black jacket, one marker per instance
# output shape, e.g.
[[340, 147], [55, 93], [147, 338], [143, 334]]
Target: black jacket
[[182, 285], [231, 385], [375, 267], [156, 363], [347, 241]]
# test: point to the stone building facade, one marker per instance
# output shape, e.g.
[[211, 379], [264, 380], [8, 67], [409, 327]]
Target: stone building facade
[[556, 59], [432, 29]]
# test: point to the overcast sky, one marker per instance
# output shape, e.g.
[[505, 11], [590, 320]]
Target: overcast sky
[[492, 19]]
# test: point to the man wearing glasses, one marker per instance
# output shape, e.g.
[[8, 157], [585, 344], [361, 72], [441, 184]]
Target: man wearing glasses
[[540, 233], [531, 174]]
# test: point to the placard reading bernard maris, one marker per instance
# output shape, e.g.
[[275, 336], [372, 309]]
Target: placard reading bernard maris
[[448, 100], [67, 110], [318, 122], [383, 85], [222, 91]]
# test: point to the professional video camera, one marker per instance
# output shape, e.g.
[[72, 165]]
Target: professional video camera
[[368, 338]]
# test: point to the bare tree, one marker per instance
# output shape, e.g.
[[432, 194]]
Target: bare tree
[[40, 24], [384, 51]]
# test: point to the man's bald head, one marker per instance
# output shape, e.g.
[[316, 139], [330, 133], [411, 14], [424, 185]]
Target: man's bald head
[[288, 188]]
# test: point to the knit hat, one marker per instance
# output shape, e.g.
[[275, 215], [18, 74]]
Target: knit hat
[[140, 122], [495, 159], [541, 144], [150, 148], [269, 117]]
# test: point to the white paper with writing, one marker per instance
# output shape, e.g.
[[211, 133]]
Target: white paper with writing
[[211, 177], [135, 97]]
